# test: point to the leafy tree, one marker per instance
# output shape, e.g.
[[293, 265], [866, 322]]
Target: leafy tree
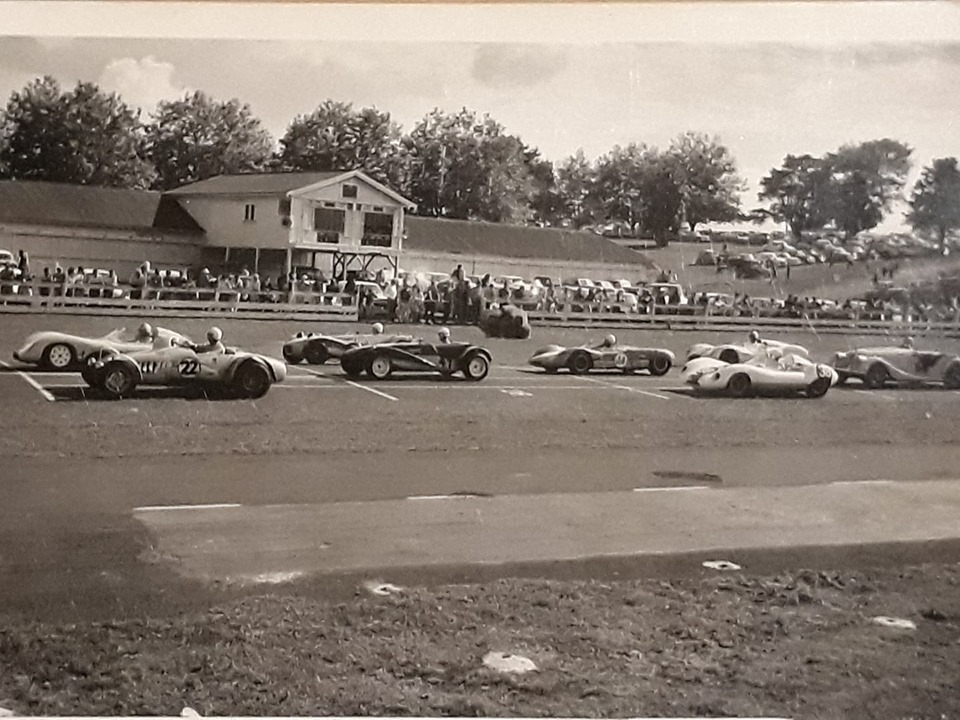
[[335, 136], [661, 191], [575, 177], [935, 203], [546, 203], [198, 137], [707, 174], [798, 190], [84, 137], [466, 166], [865, 180]]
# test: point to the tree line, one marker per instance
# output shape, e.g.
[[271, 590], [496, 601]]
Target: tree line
[[462, 165]]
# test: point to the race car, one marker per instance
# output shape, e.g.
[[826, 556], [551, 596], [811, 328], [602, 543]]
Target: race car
[[60, 351], [769, 373], [317, 348], [507, 321], [878, 366], [446, 358], [232, 372], [738, 353], [606, 355]]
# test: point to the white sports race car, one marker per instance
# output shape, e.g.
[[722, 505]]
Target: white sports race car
[[771, 373], [60, 351], [739, 353]]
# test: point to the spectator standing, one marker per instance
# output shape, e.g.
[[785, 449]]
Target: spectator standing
[[23, 263]]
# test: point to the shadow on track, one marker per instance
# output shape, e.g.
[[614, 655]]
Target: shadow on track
[[86, 394]]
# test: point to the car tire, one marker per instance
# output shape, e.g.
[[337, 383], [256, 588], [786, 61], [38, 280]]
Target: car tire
[[660, 365], [353, 367], [58, 356], [252, 380], [476, 367], [380, 367], [580, 363], [739, 385], [316, 354], [290, 357], [951, 378], [876, 376], [818, 388], [91, 375], [119, 379], [729, 356]]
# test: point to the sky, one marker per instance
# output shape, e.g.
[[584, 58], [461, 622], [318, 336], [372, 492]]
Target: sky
[[805, 79]]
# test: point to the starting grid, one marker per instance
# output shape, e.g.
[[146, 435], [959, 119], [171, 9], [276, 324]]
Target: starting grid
[[512, 384]]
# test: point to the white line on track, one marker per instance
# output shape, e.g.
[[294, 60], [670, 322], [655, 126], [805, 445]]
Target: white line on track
[[33, 383], [672, 489], [874, 394], [210, 506], [863, 482], [441, 497], [624, 387], [351, 383]]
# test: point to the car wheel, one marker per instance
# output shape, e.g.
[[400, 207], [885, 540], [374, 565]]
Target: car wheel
[[739, 385], [252, 380], [351, 366], [92, 375], [291, 357], [876, 376], [581, 363], [476, 367], [58, 356], [818, 388], [730, 356], [381, 367], [951, 378], [316, 354], [118, 379], [660, 365]]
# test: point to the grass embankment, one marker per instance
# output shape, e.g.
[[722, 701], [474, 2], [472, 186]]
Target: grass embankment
[[800, 645]]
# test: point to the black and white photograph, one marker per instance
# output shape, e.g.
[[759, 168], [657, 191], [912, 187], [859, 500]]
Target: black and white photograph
[[625, 342]]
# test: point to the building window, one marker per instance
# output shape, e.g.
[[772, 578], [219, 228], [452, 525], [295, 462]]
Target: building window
[[377, 229], [329, 224], [283, 207], [249, 212], [350, 191]]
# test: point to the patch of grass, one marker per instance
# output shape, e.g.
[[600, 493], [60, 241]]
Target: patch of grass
[[799, 644]]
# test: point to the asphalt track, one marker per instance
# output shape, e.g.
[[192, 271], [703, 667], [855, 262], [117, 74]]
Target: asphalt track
[[168, 499]]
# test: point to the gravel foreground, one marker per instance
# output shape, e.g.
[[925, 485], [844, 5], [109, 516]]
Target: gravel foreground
[[801, 645]]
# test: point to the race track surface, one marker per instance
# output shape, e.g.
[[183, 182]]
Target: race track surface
[[167, 498]]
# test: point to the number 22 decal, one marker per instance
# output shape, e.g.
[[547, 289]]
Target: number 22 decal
[[189, 367]]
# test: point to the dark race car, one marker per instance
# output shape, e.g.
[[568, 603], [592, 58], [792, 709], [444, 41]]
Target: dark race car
[[317, 348], [507, 321], [380, 361], [606, 355]]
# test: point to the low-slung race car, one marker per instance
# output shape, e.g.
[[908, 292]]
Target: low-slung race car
[[231, 372], [447, 358], [317, 348], [739, 353], [61, 351], [876, 367], [772, 373], [606, 355]]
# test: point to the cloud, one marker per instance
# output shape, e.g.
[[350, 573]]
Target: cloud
[[141, 83], [513, 66]]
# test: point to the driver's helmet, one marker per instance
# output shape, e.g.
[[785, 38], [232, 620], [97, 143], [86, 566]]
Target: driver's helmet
[[145, 330], [444, 334], [908, 343], [214, 334], [754, 336], [377, 328], [609, 341]]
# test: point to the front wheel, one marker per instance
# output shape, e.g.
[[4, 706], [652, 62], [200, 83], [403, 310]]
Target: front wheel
[[351, 366], [818, 388], [581, 363], [660, 365], [316, 354], [252, 380], [876, 376], [739, 385], [381, 367], [119, 379], [58, 356], [476, 367]]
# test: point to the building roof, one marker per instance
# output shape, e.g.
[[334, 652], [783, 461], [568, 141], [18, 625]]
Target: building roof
[[264, 183], [45, 203], [465, 237]]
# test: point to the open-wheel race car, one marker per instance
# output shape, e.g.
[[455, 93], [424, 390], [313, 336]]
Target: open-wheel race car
[[62, 351], [769, 373], [605, 355], [446, 358], [743, 352], [228, 371], [877, 367], [317, 348]]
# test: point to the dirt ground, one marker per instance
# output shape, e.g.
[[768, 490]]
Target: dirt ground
[[800, 645]]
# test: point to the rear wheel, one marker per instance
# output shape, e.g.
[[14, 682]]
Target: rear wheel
[[119, 379], [660, 365], [92, 375], [252, 380], [739, 385], [581, 363], [58, 356], [730, 356], [876, 376], [316, 354], [951, 378], [818, 388], [381, 367], [351, 366], [476, 367]]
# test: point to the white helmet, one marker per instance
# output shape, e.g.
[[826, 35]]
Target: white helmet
[[754, 336], [610, 340], [444, 333], [214, 334], [377, 328]]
